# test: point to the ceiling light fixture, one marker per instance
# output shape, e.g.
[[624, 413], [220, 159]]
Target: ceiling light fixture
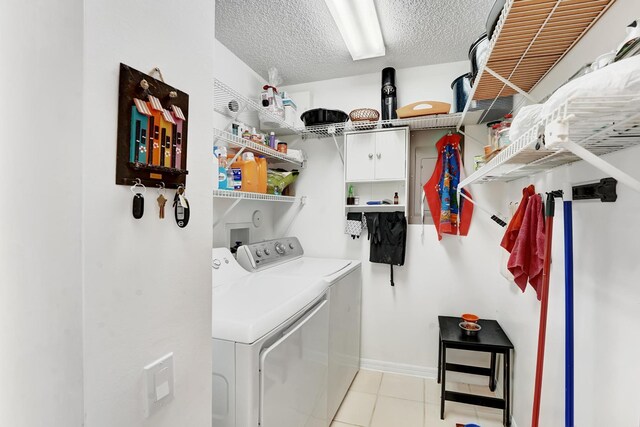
[[358, 23]]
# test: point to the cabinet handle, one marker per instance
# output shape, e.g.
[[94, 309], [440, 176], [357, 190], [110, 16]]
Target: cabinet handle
[[371, 155], [379, 155]]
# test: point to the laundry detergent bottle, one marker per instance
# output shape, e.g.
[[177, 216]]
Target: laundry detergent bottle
[[249, 173], [262, 175], [234, 180], [221, 157]]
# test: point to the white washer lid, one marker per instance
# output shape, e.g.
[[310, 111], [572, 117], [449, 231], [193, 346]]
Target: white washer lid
[[311, 267], [248, 308]]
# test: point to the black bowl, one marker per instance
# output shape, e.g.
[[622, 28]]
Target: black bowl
[[322, 116]]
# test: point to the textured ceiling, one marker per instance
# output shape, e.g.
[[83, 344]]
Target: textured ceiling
[[302, 41]]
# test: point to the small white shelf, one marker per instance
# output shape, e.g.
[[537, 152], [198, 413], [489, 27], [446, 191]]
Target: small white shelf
[[255, 147], [373, 181], [232, 194], [438, 121], [374, 207], [231, 103], [597, 125]]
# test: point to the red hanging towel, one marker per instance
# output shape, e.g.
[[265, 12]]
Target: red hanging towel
[[527, 257], [441, 190], [513, 228]]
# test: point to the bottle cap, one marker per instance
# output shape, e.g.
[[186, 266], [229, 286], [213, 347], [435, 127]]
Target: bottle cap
[[389, 76], [247, 156]]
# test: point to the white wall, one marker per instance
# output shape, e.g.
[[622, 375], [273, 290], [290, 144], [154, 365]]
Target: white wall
[[413, 84], [439, 278], [147, 283], [40, 242], [606, 278]]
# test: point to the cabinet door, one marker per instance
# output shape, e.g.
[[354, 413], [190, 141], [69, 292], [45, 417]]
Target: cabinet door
[[391, 155], [360, 154]]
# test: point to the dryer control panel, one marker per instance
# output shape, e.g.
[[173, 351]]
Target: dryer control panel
[[256, 256]]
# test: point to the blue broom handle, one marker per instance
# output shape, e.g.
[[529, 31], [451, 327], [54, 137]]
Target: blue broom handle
[[568, 286]]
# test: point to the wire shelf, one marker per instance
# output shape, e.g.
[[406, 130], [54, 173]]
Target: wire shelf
[[530, 39], [231, 103], [440, 121], [232, 194], [602, 125], [255, 147]]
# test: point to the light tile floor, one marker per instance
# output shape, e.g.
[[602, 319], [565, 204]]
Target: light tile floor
[[378, 399]]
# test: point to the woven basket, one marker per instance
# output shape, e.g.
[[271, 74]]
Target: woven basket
[[364, 118], [364, 115]]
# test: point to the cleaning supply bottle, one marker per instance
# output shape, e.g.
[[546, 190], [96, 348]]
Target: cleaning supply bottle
[[249, 173], [350, 197], [221, 156], [272, 140], [236, 170], [262, 174], [230, 179]]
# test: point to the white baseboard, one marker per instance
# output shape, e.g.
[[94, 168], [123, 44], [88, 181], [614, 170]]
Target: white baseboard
[[405, 369], [399, 368]]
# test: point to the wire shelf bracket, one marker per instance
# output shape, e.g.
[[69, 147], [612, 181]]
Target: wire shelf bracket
[[559, 136]]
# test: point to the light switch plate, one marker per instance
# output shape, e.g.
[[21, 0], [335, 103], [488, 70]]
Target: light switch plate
[[158, 379]]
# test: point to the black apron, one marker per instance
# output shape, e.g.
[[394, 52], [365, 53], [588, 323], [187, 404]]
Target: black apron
[[387, 232]]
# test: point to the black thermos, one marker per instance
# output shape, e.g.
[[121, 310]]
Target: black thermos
[[389, 99]]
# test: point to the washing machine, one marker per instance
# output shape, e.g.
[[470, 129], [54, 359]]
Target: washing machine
[[343, 278], [270, 347]]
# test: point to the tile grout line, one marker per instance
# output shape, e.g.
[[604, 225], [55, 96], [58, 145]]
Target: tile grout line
[[375, 404]]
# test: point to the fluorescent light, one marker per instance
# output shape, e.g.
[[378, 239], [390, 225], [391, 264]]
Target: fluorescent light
[[358, 23]]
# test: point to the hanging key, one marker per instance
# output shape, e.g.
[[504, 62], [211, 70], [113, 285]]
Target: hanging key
[[138, 206], [138, 189], [161, 202], [181, 206]]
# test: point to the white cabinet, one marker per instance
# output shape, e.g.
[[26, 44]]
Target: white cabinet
[[376, 169], [376, 156], [360, 156], [391, 155]]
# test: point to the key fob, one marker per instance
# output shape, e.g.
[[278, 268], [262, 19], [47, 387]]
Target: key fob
[[181, 212], [138, 206]]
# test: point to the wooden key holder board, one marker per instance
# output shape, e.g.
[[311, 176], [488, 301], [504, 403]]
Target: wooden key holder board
[[152, 131]]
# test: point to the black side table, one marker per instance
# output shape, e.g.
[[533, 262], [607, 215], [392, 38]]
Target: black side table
[[490, 339]]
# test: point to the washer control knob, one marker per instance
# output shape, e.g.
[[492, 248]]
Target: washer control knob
[[280, 248], [258, 253], [291, 246], [267, 252], [216, 263]]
